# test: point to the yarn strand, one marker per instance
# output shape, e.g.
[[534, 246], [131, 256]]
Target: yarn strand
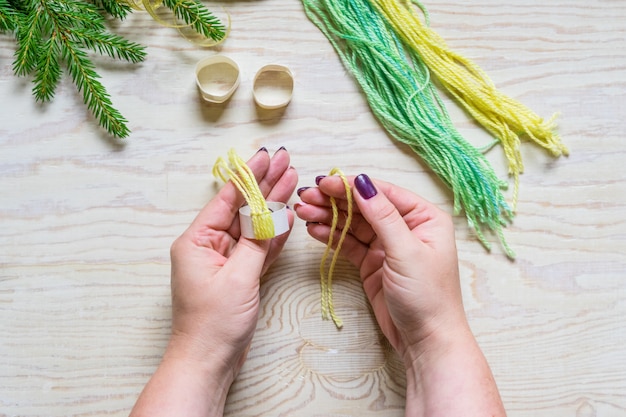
[[326, 279]]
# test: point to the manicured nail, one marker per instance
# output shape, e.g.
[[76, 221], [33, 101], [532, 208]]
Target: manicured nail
[[365, 186], [282, 148], [263, 149], [301, 190], [319, 178]]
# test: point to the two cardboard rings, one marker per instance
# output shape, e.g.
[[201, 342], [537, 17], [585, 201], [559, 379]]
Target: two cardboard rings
[[217, 78]]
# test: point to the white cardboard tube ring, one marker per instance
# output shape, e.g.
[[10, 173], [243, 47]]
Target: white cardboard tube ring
[[279, 217], [217, 78], [273, 86]]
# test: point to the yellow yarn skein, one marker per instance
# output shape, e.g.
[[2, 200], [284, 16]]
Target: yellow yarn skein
[[504, 117], [242, 176]]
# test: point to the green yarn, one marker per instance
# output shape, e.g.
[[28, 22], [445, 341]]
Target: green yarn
[[397, 86]]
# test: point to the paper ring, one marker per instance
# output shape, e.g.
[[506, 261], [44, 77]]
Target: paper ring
[[279, 217], [217, 78], [273, 86]]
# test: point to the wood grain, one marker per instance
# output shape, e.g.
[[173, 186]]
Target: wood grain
[[86, 222]]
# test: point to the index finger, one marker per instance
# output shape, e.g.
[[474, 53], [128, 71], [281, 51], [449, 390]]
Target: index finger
[[404, 200]]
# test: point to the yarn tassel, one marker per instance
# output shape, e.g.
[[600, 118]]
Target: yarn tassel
[[399, 91], [505, 118], [243, 178]]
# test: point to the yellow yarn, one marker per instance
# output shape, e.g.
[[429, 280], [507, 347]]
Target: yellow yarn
[[242, 176], [326, 280], [502, 116]]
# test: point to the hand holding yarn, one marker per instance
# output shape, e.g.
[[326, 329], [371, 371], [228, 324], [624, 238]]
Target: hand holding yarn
[[215, 273], [404, 249]]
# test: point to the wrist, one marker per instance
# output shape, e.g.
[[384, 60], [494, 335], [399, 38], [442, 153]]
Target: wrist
[[447, 374], [185, 385], [209, 363], [436, 339]]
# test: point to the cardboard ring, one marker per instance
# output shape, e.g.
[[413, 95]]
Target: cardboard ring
[[273, 86], [217, 78], [279, 217]]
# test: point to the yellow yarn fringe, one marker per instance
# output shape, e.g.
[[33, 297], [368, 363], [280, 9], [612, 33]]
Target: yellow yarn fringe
[[326, 279], [242, 176], [504, 117]]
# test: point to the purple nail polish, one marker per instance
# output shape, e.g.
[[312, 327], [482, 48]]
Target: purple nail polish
[[301, 190], [365, 186], [263, 149], [319, 178], [282, 148]]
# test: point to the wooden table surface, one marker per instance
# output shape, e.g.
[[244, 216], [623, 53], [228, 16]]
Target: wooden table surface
[[86, 223]]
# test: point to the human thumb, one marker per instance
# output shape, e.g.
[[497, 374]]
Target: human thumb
[[245, 263], [380, 213]]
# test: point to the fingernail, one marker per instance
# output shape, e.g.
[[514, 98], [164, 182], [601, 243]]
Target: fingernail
[[319, 178], [282, 148], [365, 186], [301, 190], [263, 149]]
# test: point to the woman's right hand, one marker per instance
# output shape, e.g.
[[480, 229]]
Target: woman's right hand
[[405, 251]]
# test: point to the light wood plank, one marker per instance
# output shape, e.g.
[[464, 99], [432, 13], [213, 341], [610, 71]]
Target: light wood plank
[[87, 223]]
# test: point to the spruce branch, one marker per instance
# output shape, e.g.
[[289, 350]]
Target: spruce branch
[[52, 32], [48, 71], [109, 44], [115, 8], [8, 16], [29, 42], [53, 35], [195, 14], [95, 95]]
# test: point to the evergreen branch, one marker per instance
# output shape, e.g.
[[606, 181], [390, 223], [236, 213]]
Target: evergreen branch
[[115, 8], [70, 15], [48, 71], [95, 95], [81, 69], [29, 40], [8, 16], [109, 44], [194, 13], [52, 32]]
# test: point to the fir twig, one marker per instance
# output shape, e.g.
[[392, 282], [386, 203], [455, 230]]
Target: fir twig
[[194, 13], [8, 16], [59, 31], [94, 94], [115, 8]]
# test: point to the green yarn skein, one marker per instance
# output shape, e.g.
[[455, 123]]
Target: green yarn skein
[[398, 89]]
